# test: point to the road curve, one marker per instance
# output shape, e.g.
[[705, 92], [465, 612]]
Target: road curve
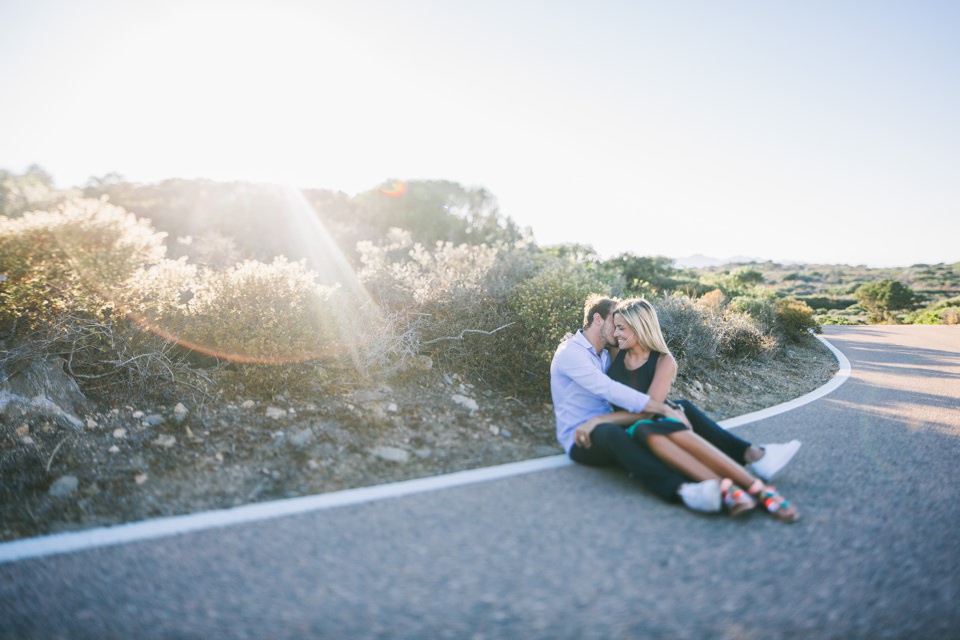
[[572, 552]]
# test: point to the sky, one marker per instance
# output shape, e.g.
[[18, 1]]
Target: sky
[[822, 131]]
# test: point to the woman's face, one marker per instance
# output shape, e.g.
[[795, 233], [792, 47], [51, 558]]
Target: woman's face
[[622, 332]]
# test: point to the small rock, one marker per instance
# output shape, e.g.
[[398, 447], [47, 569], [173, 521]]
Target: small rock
[[138, 414], [248, 404], [154, 420], [494, 429], [506, 434], [391, 454], [302, 438], [468, 403], [165, 441], [392, 407], [22, 431], [114, 449], [275, 413], [64, 487], [119, 433], [180, 412], [26, 440], [140, 478], [92, 424]]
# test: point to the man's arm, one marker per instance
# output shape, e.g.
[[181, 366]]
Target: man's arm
[[577, 364]]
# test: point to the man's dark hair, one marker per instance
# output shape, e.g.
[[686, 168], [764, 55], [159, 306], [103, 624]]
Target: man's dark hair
[[597, 303]]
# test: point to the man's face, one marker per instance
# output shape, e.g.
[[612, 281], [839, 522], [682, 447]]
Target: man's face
[[606, 332]]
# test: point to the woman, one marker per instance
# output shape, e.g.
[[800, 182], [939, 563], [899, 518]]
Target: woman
[[644, 362]]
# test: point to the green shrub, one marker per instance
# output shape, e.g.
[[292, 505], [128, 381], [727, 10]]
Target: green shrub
[[547, 307], [941, 312], [830, 319], [761, 308], [795, 318], [827, 302], [883, 299]]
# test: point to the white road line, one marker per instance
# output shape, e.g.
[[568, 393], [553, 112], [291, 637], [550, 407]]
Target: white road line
[[838, 379], [176, 525]]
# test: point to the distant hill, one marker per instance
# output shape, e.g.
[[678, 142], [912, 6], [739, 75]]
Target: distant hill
[[700, 261]]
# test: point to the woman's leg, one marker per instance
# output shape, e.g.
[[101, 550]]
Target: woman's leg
[[678, 458], [690, 454], [712, 457], [611, 445]]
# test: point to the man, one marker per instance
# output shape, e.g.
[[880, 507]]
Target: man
[[581, 390]]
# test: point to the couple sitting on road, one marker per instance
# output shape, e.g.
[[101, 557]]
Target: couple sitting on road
[[610, 383]]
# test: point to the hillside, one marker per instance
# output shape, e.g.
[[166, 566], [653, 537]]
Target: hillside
[[135, 459]]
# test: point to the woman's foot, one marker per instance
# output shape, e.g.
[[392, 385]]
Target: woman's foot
[[735, 499], [775, 504]]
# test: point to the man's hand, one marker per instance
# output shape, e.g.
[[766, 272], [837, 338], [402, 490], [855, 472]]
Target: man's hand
[[582, 434], [667, 411]]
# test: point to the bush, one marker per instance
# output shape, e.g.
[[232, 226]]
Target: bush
[[882, 299], [739, 337], [75, 258], [761, 308], [260, 313], [547, 307], [77, 278], [64, 294], [831, 319], [795, 318], [686, 329], [426, 296], [941, 312]]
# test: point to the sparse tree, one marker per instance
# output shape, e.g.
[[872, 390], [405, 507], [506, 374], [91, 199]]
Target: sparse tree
[[882, 299]]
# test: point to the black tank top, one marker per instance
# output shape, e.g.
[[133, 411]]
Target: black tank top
[[639, 378]]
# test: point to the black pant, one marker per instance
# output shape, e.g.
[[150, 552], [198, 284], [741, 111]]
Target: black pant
[[703, 426], [611, 445]]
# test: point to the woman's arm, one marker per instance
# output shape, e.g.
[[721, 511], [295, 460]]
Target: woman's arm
[[626, 418], [662, 377]]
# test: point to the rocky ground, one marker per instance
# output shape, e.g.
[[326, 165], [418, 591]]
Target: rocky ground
[[133, 462]]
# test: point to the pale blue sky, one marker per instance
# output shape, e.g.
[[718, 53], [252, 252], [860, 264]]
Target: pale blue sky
[[822, 131]]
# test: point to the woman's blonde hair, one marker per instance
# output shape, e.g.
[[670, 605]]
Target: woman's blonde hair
[[641, 317]]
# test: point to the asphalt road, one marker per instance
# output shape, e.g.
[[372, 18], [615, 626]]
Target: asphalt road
[[574, 552]]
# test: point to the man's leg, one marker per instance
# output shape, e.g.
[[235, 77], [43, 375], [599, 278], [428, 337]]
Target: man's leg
[[703, 426], [611, 445], [765, 461]]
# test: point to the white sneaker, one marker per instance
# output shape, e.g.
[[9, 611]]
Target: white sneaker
[[701, 496], [776, 458]]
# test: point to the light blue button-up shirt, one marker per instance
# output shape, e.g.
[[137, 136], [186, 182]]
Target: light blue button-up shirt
[[581, 389]]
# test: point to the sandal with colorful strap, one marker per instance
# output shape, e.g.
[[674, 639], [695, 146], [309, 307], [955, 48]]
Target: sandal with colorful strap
[[735, 499], [773, 502]]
